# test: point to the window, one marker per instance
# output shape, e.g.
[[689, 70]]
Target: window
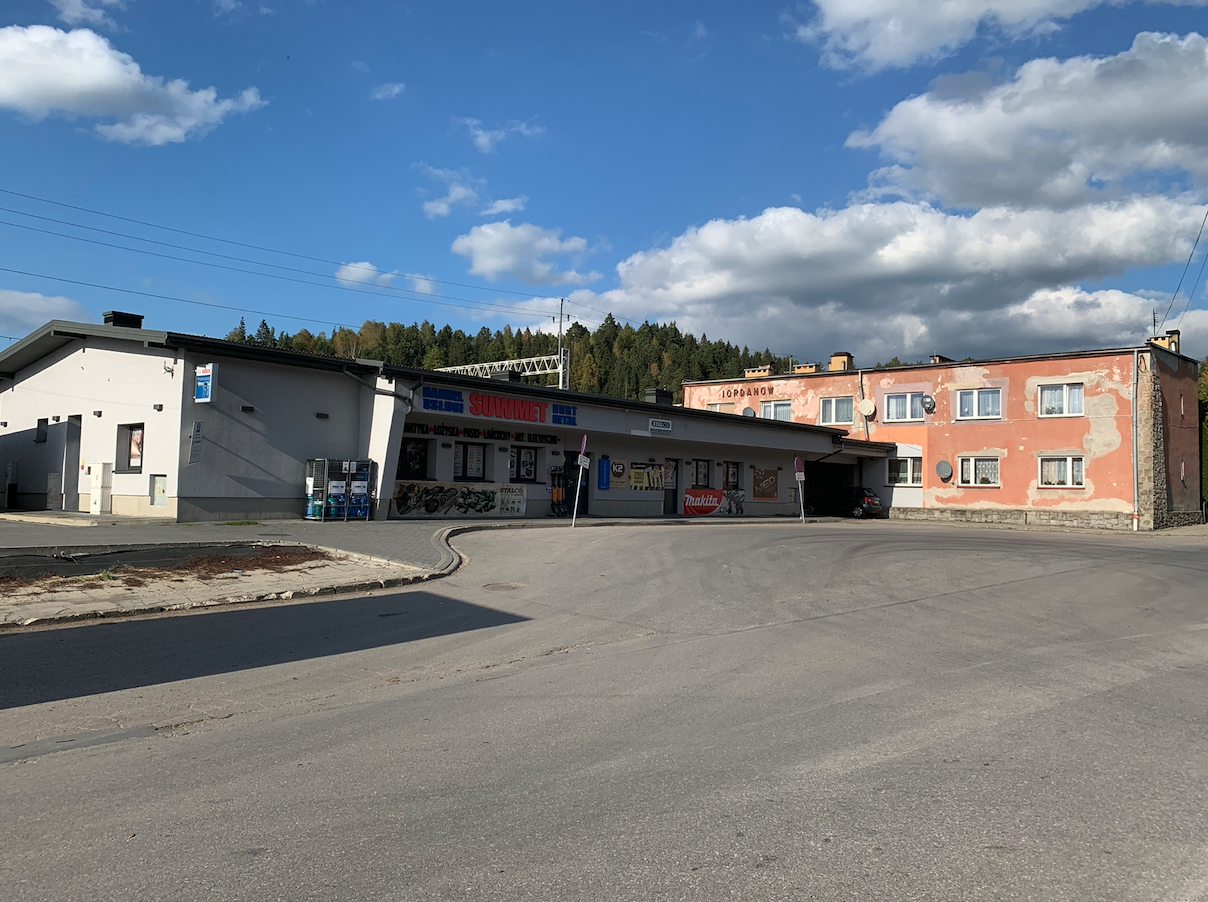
[[906, 471], [40, 432], [979, 404], [129, 448], [522, 464], [1061, 400], [700, 474], [413, 462], [468, 461], [731, 475], [721, 408], [904, 407], [776, 410], [979, 471], [1061, 472], [835, 410]]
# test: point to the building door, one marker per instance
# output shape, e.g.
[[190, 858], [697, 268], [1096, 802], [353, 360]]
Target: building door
[[71, 463], [576, 482], [670, 486]]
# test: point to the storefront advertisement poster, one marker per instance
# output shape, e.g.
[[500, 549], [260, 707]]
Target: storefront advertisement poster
[[714, 502], [646, 477], [450, 500], [766, 485], [618, 474]]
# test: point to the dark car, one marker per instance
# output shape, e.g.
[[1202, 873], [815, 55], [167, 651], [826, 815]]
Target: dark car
[[847, 501]]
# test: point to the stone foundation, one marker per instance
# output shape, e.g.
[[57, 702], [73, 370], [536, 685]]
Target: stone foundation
[[1017, 517]]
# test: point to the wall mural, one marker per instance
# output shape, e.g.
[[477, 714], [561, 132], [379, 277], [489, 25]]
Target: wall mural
[[441, 499]]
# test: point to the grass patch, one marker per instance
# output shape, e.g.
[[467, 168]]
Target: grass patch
[[241, 523]]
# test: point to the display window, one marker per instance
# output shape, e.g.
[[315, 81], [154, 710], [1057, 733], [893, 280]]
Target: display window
[[468, 461], [129, 448], [522, 464], [413, 461], [700, 474], [732, 475]]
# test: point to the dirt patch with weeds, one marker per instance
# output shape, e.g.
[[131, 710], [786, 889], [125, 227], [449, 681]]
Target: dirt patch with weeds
[[206, 567]]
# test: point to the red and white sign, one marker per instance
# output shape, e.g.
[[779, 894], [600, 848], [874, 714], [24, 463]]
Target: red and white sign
[[507, 408], [701, 502]]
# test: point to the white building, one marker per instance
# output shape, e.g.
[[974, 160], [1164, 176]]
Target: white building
[[119, 419]]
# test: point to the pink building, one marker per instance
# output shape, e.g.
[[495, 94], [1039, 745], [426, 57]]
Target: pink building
[[1104, 438]]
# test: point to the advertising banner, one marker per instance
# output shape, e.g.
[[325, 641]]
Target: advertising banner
[[646, 477], [766, 483], [203, 383], [713, 502], [414, 500]]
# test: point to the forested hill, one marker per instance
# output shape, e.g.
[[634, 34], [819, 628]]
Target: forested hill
[[616, 360]]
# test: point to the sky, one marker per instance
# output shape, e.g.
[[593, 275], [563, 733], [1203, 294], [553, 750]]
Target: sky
[[887, 177]]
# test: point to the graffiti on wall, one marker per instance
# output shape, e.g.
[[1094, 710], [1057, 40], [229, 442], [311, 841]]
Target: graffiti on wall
[[709, 502], [437, 499]]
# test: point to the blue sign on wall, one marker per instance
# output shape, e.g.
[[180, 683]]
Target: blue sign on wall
[[605, 474], [205, 382]]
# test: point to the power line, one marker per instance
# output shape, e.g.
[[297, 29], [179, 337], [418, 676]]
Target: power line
[[1191, 294], [1186, 266], [256, 247], [408, 294]]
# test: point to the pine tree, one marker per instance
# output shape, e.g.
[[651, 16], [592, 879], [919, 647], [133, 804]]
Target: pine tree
[[239, 334]]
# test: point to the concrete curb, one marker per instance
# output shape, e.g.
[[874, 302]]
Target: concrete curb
[[451, 566]]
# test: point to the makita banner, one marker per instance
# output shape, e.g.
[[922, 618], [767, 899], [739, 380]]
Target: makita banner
[[707, 502]]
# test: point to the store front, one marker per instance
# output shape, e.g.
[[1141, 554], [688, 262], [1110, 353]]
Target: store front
[[471, 449]]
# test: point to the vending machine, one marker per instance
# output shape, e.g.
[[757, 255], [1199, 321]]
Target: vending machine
[[339, 489]]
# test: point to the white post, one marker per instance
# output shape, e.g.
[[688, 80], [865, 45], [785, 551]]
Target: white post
[[578, 488]]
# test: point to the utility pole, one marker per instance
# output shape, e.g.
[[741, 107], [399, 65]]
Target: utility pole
[[563, 369]]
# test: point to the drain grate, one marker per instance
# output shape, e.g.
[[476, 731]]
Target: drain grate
[[504, 587]]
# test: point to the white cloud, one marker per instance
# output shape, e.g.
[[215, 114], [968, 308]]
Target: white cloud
[[360, 65], [388, 91], [500, 249], [87, 12], [487, 139], [461, 190], [44, 70], [882, 34], [1048, 135], [363, 273], [699, 31], [24, 311], [422, 284], [505, 205], [903, 278]]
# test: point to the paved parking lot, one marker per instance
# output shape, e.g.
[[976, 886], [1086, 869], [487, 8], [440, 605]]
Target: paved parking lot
[[836, 711]]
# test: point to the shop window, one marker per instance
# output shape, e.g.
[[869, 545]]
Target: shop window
[[413, 461], [129, 449], [1061, 400], [904, 408], [468, 461], [522, 464], [40, 432], [776, 410], [731, 475], [700, 474], [979, 404], [835, 411], [906, 471], [981, 471], [1061, 472]]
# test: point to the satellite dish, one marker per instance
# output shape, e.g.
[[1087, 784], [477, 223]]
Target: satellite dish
[[943, 470], [748, 412], [867, 407], [929, 403]]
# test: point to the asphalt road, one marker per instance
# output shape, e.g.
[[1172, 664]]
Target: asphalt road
[[850, 711]]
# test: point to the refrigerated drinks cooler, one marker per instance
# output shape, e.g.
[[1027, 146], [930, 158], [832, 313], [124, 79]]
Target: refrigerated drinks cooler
[[339, 489]]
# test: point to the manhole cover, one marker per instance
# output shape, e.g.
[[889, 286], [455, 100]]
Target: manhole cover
[[505, 587]]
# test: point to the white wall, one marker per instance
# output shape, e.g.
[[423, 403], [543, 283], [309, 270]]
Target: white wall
[[122, 381]]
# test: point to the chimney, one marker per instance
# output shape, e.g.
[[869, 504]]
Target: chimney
[[802, 369], [123, 320], [841, 360], [1169, 341], [758, 372], [659, 396]]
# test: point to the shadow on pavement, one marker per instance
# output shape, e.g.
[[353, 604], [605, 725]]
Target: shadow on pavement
[[50, 665]]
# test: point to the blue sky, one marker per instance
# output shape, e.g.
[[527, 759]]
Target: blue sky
[[889, 176]]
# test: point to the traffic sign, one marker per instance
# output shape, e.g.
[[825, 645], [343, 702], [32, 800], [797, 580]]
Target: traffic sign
[[584, 461]]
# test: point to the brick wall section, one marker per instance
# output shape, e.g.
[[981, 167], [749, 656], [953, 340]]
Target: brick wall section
[[1162, 504]]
